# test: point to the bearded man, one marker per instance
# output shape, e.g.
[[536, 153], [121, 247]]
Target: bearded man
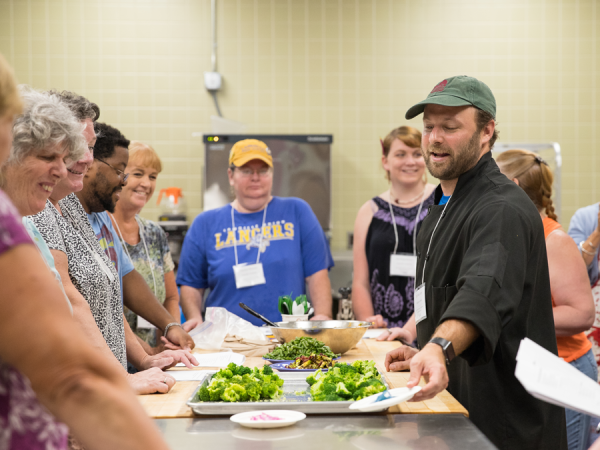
[[482, 280]]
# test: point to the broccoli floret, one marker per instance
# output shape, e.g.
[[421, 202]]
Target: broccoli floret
[[278, 381], [267, 370], [313, 377], [244, 370], [237, 379], [203, 394], [235, 393], [216, 392], [270, 390], [342, 391], [223, 373], [370, 387], [254, 391]]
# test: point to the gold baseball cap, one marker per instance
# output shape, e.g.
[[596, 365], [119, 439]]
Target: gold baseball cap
[[249, 149]]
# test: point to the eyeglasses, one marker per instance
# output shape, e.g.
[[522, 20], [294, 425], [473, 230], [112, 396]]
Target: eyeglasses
[[262, 172], [120, 173]]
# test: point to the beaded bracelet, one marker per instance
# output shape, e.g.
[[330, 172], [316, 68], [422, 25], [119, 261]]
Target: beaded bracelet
[[175, 324], [584, 250]]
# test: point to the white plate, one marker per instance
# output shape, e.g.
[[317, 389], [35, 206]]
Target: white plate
[[399, 395], [287, 418]]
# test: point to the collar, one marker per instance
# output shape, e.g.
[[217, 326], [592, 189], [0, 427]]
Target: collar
[[466, 178]]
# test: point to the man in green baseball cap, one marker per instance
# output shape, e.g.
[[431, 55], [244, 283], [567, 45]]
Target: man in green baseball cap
[[482, 281]]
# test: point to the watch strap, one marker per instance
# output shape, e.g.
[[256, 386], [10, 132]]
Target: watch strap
[[447, 347]]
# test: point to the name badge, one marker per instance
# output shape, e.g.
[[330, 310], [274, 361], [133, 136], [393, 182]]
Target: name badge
[[247, 275], [143, 323], [420, 308], [403, 265], [104, 267]]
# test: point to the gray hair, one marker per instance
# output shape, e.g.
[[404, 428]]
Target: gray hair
[[79, 105], [46, 122]]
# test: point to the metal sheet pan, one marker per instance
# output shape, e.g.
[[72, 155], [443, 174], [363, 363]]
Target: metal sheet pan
[[292, 383]]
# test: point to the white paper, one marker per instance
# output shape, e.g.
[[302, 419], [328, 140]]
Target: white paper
[[187, 375], [374, 333], [549, 378], [143, 323], [403, 265], [420, 307], [247, 275], [221, 359]]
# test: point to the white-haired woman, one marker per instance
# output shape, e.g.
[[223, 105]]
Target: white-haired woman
[[53, 366]]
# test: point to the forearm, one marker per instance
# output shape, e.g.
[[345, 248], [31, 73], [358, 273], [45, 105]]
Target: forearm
[[590, 245], [569, 321], [135, 350], [138, 297], [362, 304], [411, 327], [319, 289], [191, 302], [462, 334], [77, 384], [172, 307]]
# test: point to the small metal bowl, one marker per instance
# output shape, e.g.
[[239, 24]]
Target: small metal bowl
[[339, 335]]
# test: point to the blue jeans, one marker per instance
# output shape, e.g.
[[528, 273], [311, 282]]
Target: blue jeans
[[578, 424]]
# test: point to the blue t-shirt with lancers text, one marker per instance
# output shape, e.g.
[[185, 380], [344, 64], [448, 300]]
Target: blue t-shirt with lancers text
[[293, 248]]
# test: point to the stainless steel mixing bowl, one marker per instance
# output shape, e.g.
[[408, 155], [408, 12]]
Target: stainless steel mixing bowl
[[339, 335]]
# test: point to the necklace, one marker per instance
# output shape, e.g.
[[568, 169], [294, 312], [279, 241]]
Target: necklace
[[404, 202]]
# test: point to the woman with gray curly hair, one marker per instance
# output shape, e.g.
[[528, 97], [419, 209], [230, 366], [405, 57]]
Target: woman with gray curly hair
[[46, 138]]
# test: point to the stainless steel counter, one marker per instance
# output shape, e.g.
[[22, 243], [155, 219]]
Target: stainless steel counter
[[364, 432]]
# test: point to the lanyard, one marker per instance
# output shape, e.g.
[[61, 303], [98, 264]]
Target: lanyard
[[431, 240], [124, 244], [415, 227], [261, 235]]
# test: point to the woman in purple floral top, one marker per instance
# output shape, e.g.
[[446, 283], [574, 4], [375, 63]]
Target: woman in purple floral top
[[52, 367], [386, 225]]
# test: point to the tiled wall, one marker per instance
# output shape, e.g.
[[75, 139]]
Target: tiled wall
[[350, 68]]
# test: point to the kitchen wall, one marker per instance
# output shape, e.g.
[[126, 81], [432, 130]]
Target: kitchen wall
[[350, 68]]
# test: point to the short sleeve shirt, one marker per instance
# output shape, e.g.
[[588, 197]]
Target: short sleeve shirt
[[293, 247], [108, 240], [24, 422], [89, 267]]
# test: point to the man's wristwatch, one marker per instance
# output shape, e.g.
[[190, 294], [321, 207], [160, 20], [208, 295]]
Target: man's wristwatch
[[447, 348]]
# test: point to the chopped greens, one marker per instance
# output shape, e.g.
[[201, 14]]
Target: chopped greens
[[302, 346], [241, 384]]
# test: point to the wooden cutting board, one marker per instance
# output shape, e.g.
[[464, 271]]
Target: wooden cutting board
[[172, 405]]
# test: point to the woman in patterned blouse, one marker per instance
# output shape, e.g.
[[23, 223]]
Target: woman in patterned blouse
[[145, 241]]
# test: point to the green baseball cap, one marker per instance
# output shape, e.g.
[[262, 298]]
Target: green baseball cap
[[458, 91]]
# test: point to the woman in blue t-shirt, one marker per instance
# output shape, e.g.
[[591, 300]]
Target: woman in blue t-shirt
[[254, 249]]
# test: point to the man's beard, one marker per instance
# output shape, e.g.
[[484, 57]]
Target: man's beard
[[458, 161], [100, 199]]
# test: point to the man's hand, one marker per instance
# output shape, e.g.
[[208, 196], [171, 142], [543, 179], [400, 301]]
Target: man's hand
[[399, 358], [180, 338], [151, 381], [168, 358], [431, 364], [400, 334], [191, 324], [377, 320], [320, 317]]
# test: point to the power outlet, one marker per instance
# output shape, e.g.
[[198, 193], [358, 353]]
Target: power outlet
[[212, 81]]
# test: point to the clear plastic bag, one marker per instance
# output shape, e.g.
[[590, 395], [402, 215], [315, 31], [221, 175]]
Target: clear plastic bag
[[218, 323]]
